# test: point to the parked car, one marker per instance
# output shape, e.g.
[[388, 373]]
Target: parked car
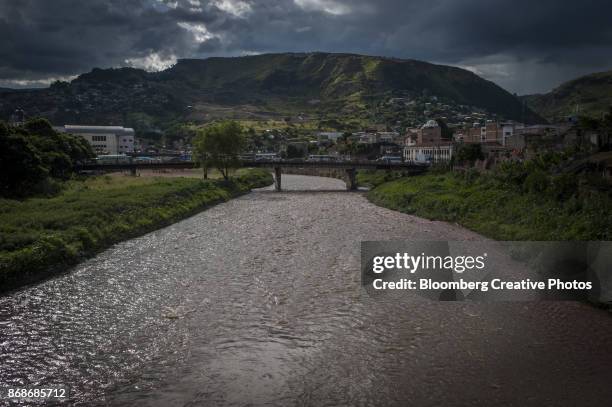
[[389, 159], [266, 157], [320, 158]]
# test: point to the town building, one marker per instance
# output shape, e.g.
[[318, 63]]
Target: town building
[[430, 132], [411, 138], [519, 136], [387, 136], [368, 137], [104, 139], [426, 144], [329, 135], [429, 152], [18, 117], [491, 132]]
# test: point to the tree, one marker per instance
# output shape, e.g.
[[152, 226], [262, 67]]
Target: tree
[[218, 145], [294, 152], [469, 153], [20, 164], [59, 152]]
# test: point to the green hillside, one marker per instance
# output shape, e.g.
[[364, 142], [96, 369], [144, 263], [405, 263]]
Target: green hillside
[[262, 86], [589, 95]]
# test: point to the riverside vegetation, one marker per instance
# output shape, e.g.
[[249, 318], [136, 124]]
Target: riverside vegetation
[[35, 159], [42, 236], [529, 200], [51, 217]]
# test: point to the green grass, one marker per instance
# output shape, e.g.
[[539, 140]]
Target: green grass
[[373, 178], [40, 236], [493, 210]]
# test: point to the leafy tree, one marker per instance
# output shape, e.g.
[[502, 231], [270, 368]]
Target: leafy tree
[[294, 152], [469, 153], [58, 151], [218, 145], [537, 181], [20, 164], [34, 152], [588, 123], [179, 131]]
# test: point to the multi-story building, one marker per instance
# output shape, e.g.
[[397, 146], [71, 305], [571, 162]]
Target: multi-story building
[[104, 139], [426, 144], [491, 132], [430, 132]]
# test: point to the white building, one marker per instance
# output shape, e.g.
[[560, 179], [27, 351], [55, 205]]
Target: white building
[[367, 138], [387, 136], [329, 135], [430, 152], [509, 129], [104, 139]]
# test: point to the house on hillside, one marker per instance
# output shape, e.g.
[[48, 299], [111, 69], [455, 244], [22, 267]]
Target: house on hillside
[[368, 138], [329, 135]]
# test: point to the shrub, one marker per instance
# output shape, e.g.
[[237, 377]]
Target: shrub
[[536, 182], [21, 166], [564, 186], [469, 153]]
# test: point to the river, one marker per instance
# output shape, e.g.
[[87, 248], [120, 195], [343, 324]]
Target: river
[[257, 301]]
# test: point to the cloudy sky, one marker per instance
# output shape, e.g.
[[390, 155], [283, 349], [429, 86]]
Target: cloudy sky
[[526, 46]]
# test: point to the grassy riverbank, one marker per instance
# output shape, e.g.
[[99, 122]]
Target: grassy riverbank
[[533, 209], [41, 236]]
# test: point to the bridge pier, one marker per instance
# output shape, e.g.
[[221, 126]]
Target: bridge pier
[[351, 179], [277, 179]]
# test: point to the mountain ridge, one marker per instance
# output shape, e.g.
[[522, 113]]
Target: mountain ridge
[[589, 95], [281, 83]]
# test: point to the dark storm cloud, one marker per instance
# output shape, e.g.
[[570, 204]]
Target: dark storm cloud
[[523, 45]]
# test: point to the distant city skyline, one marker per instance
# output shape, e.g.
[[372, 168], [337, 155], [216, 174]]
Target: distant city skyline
[[523, 46]]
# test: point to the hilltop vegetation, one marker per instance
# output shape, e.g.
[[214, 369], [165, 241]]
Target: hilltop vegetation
[[256, 87], [590, 95]]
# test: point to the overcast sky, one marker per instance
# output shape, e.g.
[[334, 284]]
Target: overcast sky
[[526, 46]]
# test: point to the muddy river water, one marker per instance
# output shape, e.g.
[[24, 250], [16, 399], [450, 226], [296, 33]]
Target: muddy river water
[[258, 302]]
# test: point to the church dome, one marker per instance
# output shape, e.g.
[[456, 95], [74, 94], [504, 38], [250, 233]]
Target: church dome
[[430, 124]]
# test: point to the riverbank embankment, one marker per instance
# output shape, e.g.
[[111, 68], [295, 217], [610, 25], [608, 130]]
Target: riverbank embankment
[[496, 209], [40, 237]]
